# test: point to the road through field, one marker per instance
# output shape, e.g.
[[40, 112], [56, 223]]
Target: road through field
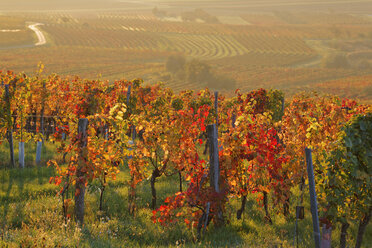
[[39, 34]]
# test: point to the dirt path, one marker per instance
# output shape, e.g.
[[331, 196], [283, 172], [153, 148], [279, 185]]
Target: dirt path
[[39, 34]]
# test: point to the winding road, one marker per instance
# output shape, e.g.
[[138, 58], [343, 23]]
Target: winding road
[[39, 34]]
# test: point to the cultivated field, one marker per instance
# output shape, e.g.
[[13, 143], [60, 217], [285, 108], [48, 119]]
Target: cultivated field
[[291, 50]]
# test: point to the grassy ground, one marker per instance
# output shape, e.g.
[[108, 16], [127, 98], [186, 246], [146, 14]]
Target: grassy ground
[[30, 215]]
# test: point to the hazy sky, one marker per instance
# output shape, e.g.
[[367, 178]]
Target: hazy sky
[[364, 6]]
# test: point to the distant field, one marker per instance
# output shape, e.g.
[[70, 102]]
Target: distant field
[[350, 87], [292, 51], [14, 32]]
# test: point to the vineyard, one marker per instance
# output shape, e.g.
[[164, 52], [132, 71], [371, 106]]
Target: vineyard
[[205, 41], [90, 163], [291, 51]]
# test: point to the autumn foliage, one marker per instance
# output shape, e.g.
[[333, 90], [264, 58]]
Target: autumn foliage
[[157, 133]]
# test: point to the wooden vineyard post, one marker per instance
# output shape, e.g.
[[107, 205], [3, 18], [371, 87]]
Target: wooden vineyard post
[[326, 236], [132, 127], [9, 131], [128, 94], [40, 143], [313, 202], [21, 147], [213, 156], [214, 181], [80, 183], [214, 170], [216, 106]]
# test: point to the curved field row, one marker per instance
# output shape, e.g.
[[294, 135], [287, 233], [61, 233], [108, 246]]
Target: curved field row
[[193, 45], [207, 46], [105, 38], [202, 46], [134, 31], [274, 44], [298, 31]]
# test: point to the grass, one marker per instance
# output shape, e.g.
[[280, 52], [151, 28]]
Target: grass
[[30, 215]]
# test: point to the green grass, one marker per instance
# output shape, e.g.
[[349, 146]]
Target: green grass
[[31, 215]]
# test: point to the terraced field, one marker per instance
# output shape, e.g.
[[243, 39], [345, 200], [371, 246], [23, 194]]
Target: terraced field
[[277, 49], [147, 33]]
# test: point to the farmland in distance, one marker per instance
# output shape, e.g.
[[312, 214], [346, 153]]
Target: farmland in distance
[[291, 50]]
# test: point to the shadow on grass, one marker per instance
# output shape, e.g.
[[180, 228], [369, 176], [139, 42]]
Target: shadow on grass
[[19, 187], [94, 241], [10, 197], [6, 202]]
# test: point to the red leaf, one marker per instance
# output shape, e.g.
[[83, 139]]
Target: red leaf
[[162, 208]]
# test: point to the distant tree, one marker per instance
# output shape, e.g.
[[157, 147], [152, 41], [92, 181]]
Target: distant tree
[[188, 16], [197, 71], [175, 63], [203, 15], [65, 19], [199, 14], [159, 13], [181, 75]]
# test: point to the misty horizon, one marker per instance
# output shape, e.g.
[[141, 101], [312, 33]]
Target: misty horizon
[[357, 6]]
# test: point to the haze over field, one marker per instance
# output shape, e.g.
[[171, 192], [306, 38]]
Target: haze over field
[[286, 44], [214, 5]]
